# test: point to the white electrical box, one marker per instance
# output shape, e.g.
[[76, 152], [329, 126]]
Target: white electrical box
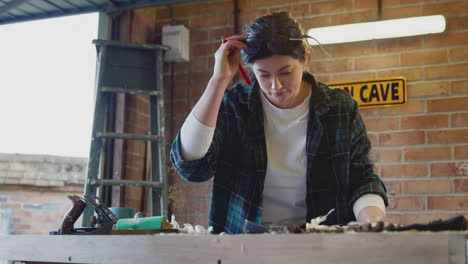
[[178, 38]]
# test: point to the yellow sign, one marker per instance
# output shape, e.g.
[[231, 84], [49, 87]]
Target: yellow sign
[[376, 93]]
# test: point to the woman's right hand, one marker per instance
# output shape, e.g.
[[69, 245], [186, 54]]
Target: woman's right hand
[[227, 58]]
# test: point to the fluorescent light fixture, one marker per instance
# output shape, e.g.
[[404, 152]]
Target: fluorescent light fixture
[[393, 28]]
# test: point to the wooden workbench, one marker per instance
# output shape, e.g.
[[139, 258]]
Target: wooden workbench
[[362, 248]]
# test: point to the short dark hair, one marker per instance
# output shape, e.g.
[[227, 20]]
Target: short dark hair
[[276, 33]]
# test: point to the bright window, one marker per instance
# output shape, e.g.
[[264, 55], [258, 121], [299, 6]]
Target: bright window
[[47, 70]]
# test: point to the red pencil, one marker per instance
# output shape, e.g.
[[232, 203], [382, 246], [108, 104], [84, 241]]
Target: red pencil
[[242, 71]]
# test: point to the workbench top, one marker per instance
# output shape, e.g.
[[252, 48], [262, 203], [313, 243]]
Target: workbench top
[[362, 248]]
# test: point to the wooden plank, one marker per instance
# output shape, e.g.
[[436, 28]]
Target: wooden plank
[[119, 146], [362, 248], [143, 232]]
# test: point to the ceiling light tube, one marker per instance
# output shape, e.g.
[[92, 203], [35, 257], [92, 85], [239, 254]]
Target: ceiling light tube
[[393, 28]]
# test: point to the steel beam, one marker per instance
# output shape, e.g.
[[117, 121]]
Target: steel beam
[[13, 4]]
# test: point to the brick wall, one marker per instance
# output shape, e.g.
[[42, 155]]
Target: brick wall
[[33, 191], [420, 149]]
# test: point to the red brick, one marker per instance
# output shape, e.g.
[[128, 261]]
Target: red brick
[[10, 205], [445, 8], [411, 107], [181, 68], [352, 76], [318, 54], [162, 12], [181, 83], [383, 155], [249, 16], [338, 65], [423, 57], [411, 74], [445, 39], [209, 21], [460, 87], [428, 88], [406, 203], [200, 78], [399, 44], [457, 22], [427, 186], [448, 203], [21, 226], [424, 121], [365, 4], [137, 148], [461, 152], [354, 49], [446, 71], [404, 170], [215, 7], [141, 33], [355, 17], [368, 112], [401, 12], [449, 169], [29, 233], [265, 3], [138, 102], [460, 185], [197, 36], [382, 124], [459, 54], [299, 10], [199, 64], [428, 153], [377, 62], [393, 187], [192, 206], [144, 17], [424, 218], [220, 33], [204, 49], [393, 218], [19, 212], [180, 106], [401, 138], [448, 136], [195, 190], [330, 6], [460, 119]]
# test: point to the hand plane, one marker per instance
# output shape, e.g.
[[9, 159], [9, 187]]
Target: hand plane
[[102, 222]]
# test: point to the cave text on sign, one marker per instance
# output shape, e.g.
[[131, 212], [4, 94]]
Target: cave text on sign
[[376, 93]]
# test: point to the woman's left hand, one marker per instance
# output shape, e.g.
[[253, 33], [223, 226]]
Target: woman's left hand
[[371, 214]]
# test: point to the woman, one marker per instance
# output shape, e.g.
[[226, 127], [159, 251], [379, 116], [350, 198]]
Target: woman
[[285, 149]]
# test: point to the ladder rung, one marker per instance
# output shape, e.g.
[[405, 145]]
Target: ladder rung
[[128, 136], [132, 183], [127, 90]]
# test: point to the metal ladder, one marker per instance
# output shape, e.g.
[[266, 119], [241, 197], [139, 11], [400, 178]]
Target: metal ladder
[[133, 69]]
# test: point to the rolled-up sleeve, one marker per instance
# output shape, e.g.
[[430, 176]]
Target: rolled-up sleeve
[[191, 170], [204, 168]]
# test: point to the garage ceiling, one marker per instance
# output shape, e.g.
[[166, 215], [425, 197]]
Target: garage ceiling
[[13, 11]]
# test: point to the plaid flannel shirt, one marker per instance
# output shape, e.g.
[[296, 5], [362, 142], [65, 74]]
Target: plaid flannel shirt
[[339, 170]]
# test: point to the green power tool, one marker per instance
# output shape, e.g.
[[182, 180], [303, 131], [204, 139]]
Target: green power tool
[[144, 223]]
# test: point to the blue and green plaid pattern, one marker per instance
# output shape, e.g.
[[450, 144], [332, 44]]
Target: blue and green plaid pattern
[[339, 170]]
